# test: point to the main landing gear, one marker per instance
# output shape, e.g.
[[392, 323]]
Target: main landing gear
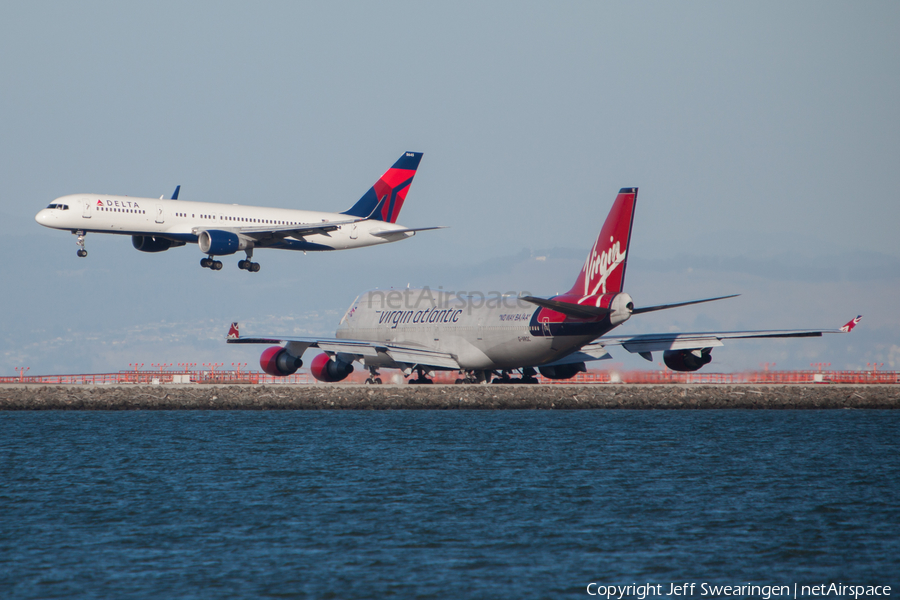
[[528, 376], [211, 263], [248, 265], [80, 242], [474, 377], [420, 377], [373, 377]]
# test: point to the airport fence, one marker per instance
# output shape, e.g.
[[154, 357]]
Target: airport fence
[[221, 377]]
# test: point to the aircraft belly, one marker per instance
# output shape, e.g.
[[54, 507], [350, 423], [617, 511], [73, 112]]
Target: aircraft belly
[[516, 352]]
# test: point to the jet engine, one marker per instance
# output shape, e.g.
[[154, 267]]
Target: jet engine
[[220, 243], [562, 371], [149, 243], [277, 362], [687, 360], [329, 371]]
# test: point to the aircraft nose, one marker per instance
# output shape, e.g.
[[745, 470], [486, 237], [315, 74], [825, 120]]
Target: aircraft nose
[[42, 217]]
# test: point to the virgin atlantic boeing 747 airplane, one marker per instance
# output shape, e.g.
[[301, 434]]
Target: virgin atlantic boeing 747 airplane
[[156, 225], [423, 330]]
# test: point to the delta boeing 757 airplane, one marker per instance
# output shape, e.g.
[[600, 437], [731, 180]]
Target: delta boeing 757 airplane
[[424, 330], [156, 225]]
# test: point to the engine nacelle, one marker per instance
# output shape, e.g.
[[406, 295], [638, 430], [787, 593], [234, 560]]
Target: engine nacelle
[[329, 371], [221, 243], [562, 371], [276, 361], [687, 360], [149, 243]]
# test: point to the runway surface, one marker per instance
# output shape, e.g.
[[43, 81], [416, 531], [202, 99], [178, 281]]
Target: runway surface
[[473, 397]]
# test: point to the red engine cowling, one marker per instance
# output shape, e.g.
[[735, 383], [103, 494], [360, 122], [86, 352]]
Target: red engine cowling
[[277, 362], [686, 360], [325, 369], [562, 371]]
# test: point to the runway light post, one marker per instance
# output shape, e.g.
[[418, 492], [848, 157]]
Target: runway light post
[[21, 372], [238, 367], [161, 366], [187, 366], [820, 365]]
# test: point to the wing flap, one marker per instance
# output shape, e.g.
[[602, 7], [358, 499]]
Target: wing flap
[[414, 356], [348, 348], [672, 343]]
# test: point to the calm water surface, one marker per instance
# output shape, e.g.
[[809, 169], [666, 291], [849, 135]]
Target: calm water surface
[[442, 504]]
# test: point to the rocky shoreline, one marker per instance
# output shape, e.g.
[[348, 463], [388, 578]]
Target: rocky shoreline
[[442, 397]]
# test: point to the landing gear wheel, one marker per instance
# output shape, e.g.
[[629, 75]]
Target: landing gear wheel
[[205, 263], [378, 381], [253, 268], [216, 265], [242, 264], [81, 253]]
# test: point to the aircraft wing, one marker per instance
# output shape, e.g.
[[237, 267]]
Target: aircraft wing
[[659, 342], [358, 349], [587, 353]]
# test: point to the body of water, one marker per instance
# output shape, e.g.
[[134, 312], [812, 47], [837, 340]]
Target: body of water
[[443, 504]]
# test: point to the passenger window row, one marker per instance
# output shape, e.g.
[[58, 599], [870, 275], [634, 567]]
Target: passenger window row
[[125, 210]]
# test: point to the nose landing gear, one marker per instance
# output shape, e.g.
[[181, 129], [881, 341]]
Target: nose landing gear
[[81, 253]]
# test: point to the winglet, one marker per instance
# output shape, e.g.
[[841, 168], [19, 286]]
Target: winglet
[[850, 325], [234, 333], [175, 193]]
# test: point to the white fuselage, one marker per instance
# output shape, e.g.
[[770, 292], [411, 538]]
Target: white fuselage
[[482, 332], [182, 221]]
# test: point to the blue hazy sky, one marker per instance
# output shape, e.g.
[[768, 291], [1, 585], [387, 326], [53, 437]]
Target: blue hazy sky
[[764, 137]]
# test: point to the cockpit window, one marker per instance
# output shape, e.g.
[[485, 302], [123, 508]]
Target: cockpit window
[[59, 206]]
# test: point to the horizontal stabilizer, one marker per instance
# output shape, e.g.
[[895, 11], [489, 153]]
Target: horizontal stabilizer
[[576, 311], [390, 232], [647, 309]]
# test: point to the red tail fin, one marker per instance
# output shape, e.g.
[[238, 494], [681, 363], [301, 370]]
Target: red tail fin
[[604, 269]]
